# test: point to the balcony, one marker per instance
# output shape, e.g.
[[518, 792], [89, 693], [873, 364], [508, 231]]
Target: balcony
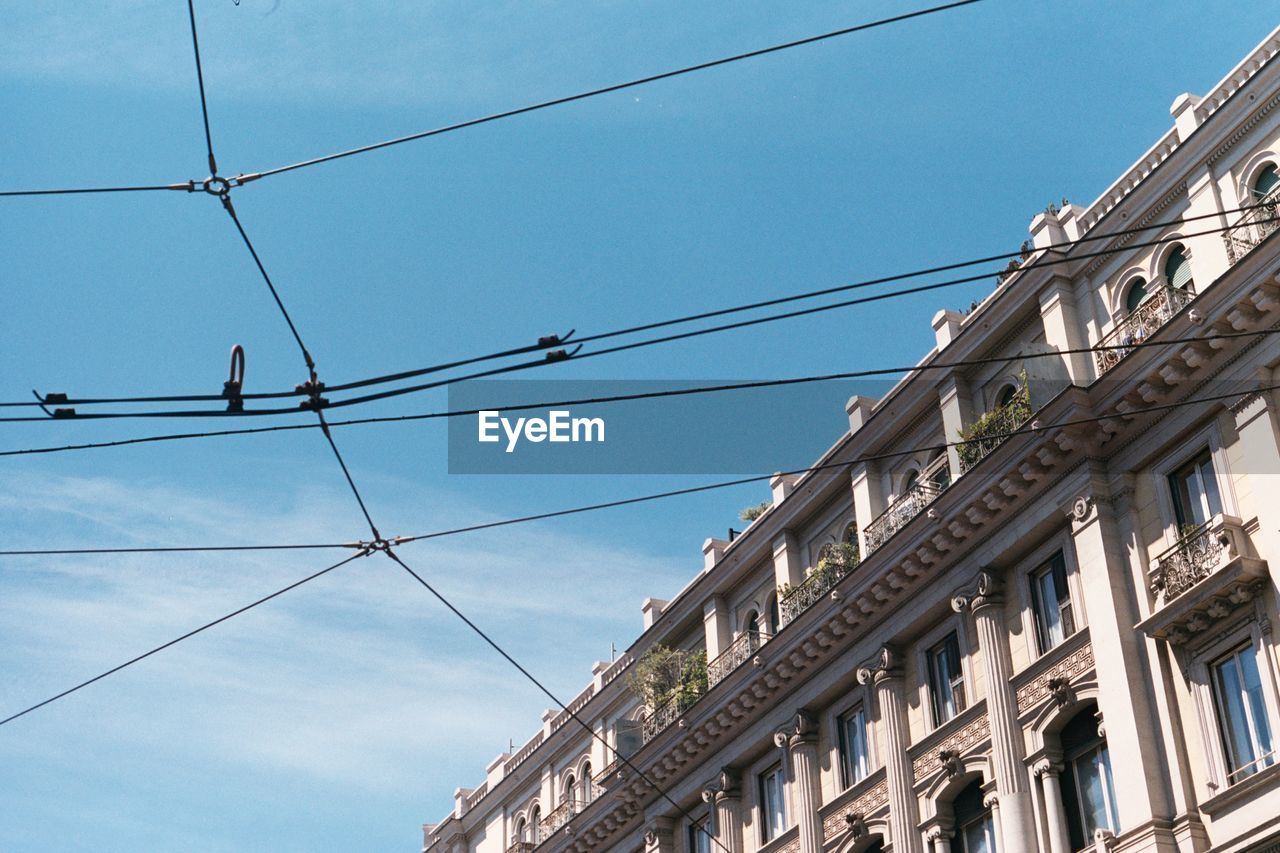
[[908, 505], [738, 653], [1254, 227], [521, 847], [1145, 320], [1190, 560], [991, 430], [837, 560], [1202, 579], [559, 816], [665, 714]]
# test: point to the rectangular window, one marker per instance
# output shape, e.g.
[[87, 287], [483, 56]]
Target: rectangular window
[[946, 680], [773, 807], [700, 836], [1242, 714], [1195, 492], [853, 747], [1052, 602]]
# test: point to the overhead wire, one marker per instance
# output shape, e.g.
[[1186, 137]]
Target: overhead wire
[[603, 90], [644, 395], [366, 548], [556, 340], [1045, 261], [206, 626]]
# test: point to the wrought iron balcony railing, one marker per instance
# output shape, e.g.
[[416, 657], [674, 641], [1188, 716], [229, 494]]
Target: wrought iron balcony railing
[[908, 505], [1254, 227], [738, 653], [990, 431], [665, 714], [1192, 559], [824, 577], [1149, 316], [559, 816]]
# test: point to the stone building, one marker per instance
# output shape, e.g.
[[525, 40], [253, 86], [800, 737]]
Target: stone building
[[1054, 641]]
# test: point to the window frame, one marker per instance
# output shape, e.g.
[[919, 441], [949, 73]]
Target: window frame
[[695, 832], [845, 778], [1243, 632], [954, 624], [768, 832], [1182, 454], [1039, 606], [1215, 665]]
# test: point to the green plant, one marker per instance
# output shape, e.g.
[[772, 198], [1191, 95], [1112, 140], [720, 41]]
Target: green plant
[[664, 674], [754, 511], [985, 434], [836, 562]]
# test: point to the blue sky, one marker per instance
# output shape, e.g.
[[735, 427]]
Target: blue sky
[[343, 715]]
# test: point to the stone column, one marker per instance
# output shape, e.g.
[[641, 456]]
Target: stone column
[[800, 739], [986, 604], [885, 672], [1055, 813], [940, 840], [992, 802], [1128, 677], [724, 794], [659, 836]]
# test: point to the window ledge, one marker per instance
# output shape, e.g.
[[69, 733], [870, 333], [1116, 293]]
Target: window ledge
[[1246, 788]]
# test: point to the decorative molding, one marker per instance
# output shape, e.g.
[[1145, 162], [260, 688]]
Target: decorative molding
[[988, 589], [802, 729], [976, 732], [1081, 508], [873, 800], [727, 785], [885, 664], [1055, 682]]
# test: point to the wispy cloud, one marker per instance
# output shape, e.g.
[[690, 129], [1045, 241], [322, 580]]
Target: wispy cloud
[[359, 677]]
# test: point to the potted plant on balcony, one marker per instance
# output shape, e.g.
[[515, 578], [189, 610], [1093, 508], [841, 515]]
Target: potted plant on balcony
[[754, 511], [664, 674], [987, 432]]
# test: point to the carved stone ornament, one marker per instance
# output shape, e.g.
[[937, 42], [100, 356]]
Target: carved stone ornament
[[803, 728], [1061, 692], [949, 761], [985, 590], [857, 825], [885, 664], [726, 784], [1044, 767], [1080, 508]]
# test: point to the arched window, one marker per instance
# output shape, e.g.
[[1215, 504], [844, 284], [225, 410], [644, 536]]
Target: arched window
[[823, 553], [535, 818], [521, 832], [588, 784], [851, 534], [1177, 270], [1006, 395], [975, 830], [774, 620], [570, 792], [1266, 181], [1136, 296], [913, 477], [1087, 790], [753, 629]]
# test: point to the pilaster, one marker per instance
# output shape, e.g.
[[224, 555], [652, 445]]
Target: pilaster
[[885, 672], [985, 602], [800, 739]]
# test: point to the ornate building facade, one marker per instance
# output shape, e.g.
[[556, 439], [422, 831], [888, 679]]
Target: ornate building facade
[[1052, 641]]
